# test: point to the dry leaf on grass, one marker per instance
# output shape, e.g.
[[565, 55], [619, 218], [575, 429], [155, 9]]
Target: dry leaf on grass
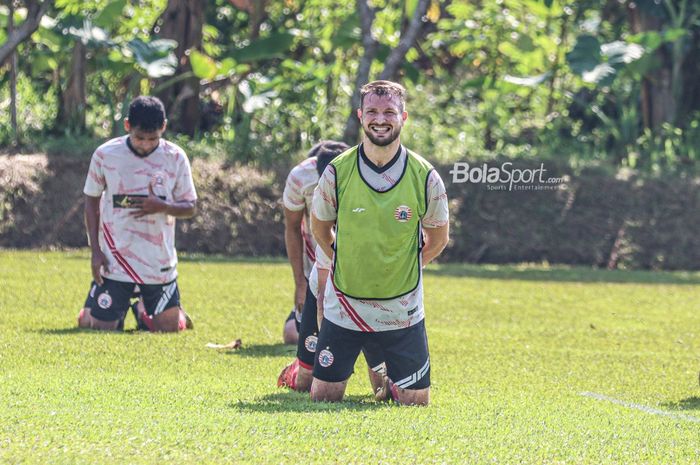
[[233, 345]]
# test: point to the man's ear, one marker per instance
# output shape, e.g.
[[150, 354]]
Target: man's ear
[[127, 126], [359, 113], [404, 115], [165, 125]]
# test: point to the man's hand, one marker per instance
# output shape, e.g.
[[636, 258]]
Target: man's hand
[[321, 294], [150, 205], [98, 261], [299, 296]]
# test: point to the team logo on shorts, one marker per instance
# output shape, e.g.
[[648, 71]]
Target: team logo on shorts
[[325, 358], [310, 343], [104, 300], [402, 213]]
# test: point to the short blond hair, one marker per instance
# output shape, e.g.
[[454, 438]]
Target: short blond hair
[[384, 88]]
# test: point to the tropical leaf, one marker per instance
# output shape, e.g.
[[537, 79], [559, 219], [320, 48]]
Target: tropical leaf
[[252, 101], [90, 35], [348, 33], [621, 52], [585, 55], [599, 63], [274, 46], [530, 81], [109, 14], [411, 6], [602, 74], [156, 58], [203, 66]]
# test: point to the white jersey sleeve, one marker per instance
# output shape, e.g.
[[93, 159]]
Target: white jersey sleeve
[[325, 202], [184, 190], [95, 181], [437, 214], [293, 195]]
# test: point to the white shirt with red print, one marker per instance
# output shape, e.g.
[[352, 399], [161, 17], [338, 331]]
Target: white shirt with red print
[[139, 250], [378, 315], [298, 195], [322, 263]]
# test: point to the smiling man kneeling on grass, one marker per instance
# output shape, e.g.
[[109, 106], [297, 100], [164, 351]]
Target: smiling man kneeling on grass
[[381, 211], [136, 186]]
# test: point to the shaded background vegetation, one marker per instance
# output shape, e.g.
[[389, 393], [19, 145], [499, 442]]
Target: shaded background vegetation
[[603, 91], [594, 219]]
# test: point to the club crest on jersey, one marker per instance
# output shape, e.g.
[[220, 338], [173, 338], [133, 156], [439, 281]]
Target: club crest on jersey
[[158, 179], [310, 343], [402, 213], [104, 300], [325, 358]]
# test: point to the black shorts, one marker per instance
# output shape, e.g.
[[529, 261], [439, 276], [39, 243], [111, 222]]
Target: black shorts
[[308, 331], [405, 352], [111, 301], [308, 337]]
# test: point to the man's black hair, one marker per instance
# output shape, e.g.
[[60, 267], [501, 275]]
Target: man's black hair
[[146, 113], [325, 151]]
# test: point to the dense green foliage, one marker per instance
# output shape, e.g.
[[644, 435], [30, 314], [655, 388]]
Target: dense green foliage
[[513, 350], [597, 81]]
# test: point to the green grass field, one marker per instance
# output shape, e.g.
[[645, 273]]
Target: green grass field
[[529, 365]]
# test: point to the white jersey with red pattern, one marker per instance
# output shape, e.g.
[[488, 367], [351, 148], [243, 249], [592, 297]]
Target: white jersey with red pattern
[[298, 195], [378, 315], [139, 250], [322, 263]]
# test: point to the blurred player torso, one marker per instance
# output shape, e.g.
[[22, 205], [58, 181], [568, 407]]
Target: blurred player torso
[[298, 195]]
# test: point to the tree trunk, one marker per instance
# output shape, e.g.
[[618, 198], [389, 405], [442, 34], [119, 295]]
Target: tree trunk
[[183, 21], [393, 62], [352, 127], [408, 39], [657, 100], [35, 11], [13, 77], [71, 112]]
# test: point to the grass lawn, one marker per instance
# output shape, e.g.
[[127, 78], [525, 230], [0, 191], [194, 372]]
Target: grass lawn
[[529, 365]]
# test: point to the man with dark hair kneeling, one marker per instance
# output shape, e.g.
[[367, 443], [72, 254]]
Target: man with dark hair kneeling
[[136, 186], [299, 243]]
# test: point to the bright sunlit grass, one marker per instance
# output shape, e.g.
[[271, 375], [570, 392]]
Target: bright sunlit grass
[[529, 365]]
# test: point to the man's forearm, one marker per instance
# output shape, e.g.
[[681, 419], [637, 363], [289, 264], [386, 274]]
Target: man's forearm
[[323, 233], [92, 221], [182, 209], [294, 243], [436, 240]]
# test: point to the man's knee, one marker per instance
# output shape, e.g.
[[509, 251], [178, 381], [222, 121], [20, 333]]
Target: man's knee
[[304, 379], [413, 396], [290, 335], [170, 320], [87, 321], [327, 392]]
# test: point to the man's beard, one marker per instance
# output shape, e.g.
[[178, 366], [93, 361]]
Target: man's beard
[[382, 142]]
